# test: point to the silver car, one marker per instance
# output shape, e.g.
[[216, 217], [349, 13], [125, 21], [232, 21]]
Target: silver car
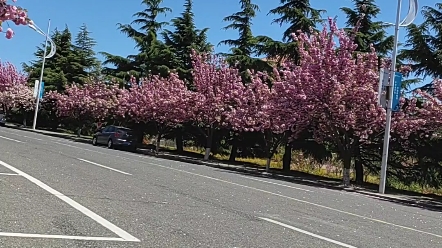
[[114, 136]]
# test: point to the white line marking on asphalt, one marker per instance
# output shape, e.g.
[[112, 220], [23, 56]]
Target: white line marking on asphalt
[[260, 190], [27, 235], [8, 174], [307, 233], [6, 138], [32, 138], [283, 185], [301, 201], [109, 168], [105, 223]]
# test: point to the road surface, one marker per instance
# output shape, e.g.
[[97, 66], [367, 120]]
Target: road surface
[[59, 193]]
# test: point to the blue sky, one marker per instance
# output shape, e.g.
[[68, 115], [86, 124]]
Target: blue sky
[[101, 17]]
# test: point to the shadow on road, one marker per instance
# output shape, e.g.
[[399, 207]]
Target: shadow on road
[[428, 202]]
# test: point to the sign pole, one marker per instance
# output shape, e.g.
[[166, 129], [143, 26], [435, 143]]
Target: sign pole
[[389, 102], [37, 102]]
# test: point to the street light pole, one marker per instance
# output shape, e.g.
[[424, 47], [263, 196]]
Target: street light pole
[[37, 102], [412, 12]]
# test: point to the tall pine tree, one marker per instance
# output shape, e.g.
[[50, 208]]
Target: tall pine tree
[[61, 69], [369, 31], [152, 55], [243, 48], [423, 46], [85, 54], [185, 38], [299, 16]]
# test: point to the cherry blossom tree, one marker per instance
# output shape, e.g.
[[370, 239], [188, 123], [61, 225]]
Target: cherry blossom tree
[[10, 76], [94, 101], [14, 93], [18, 97], [259, 111], [161, 101], [339, 90], [335, 95], [219, 90], [13, 13]]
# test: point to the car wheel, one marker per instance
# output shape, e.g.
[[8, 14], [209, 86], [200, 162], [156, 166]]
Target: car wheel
[[94, 141], [110, 144]]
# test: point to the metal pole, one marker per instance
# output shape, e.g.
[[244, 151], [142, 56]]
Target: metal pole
[[37, 102], [383, 178]]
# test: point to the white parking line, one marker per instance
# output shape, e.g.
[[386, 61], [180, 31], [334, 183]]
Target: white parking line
[[8, 174], [45, 236], [6, 138], [301, 201], [283, 185], [307, 233], [105, 223], [109, 168]]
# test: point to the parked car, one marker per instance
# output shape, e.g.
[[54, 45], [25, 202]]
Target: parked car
[[2, 119], [115, 136]]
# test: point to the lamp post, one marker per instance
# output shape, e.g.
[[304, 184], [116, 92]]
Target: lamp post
[[412, 13], [45, 56]]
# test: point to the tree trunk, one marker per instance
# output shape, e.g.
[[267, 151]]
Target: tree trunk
[[359, 170], [234, 150], [287, 158], [24, 119], [346, 171], [268, 136], [359, 167], [208, 143], [179, 141], [158, 142], [268, 164]]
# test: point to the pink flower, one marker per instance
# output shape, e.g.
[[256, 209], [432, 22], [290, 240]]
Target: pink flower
[[9, 33]]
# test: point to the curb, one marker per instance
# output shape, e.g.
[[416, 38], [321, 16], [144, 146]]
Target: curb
[[49, 133]]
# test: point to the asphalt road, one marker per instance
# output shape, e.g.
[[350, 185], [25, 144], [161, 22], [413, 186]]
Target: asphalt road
[[59, 193]]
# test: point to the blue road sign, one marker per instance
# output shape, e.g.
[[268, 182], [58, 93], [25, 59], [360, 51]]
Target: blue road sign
[[396, 91], [42, 90]]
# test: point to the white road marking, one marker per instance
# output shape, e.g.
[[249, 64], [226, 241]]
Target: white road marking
[[32, 138], [105, 223], [307, 233], [6, 138], [260, 190], [283, 185], [301, 201], [27, 235], [109, 168], [8, 174]]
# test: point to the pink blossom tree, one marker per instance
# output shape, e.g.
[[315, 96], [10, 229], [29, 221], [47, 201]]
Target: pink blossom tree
[[95, 101], [10, 76], [18, 97], [161, 101], [14, 93], [262, 110], [15, 14], [339, 86], [218, 93]]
